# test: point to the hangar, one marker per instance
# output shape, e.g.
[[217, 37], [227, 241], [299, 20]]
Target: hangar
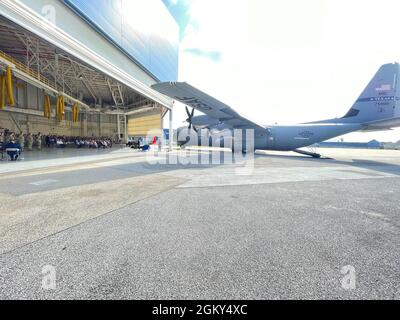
[[96, 81]]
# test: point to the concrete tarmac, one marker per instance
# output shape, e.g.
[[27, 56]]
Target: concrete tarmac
[[126, 226]]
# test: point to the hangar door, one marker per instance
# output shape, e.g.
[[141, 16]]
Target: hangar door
[[141, 124]]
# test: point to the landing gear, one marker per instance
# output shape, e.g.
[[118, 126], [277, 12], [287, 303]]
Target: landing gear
[[244, 151], [306, 153]]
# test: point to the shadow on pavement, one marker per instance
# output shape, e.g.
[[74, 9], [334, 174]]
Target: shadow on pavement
[[384, 167]]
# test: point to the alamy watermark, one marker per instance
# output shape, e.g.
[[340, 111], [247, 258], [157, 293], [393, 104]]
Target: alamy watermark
[[49, 13], [349, 280], [202, 148], [49, 278]]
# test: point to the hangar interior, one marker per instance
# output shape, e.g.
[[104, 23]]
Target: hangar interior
[[105, 107]]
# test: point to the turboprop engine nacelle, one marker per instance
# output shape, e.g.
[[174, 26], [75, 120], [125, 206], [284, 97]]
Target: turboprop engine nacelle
[[204, 122]]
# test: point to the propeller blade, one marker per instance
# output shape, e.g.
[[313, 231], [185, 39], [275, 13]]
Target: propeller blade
[[188, 112], [189, 120]]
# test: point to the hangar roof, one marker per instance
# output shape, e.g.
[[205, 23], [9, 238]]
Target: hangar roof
[[66, 73]]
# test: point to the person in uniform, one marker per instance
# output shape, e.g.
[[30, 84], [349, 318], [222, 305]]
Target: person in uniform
[[2, 144], [7, 137], [29, 140], [39, 141], [21, 140]]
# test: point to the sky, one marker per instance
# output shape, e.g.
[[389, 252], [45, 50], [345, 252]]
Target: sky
[[286, 61]]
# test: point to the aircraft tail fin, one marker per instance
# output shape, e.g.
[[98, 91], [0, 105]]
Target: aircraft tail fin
[[380, 101]]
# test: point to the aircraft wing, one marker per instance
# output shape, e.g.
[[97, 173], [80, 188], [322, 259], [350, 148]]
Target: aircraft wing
[[190, 96]]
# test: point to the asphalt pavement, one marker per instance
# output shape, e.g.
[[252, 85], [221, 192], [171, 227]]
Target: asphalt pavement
[[279, 227]]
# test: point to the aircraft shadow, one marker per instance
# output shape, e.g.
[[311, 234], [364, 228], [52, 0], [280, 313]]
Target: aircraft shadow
[[384, 167]]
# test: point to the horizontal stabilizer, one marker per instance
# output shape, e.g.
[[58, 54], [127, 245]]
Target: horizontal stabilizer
[[380, 125]]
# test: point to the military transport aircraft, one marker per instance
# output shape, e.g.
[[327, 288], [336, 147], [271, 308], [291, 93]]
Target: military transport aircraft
[[378, 108]]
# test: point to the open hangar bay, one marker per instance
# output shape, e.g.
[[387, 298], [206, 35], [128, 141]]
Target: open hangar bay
[[286, 229]]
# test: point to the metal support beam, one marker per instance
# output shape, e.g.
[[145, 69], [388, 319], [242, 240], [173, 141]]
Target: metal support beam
[[119, 127], [140, 110], [15, 122], [116, 92], [118, 67], [126, 128], [35, 82], [171, 131]]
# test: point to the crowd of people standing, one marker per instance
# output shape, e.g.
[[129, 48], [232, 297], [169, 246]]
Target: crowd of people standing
[[26, 141], [11, 140]]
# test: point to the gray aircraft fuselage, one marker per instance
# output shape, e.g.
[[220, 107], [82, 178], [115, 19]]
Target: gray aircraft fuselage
[[377, 108], [286, 138], [279, 137]]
